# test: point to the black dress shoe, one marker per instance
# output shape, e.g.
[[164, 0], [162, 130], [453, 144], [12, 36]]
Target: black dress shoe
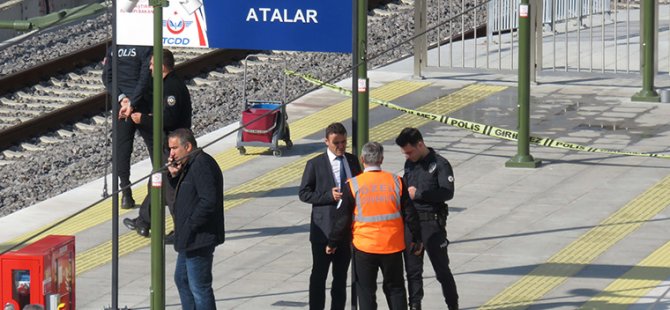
[[127, 201], [143, 231], [129, 223], [415, 307], [169, 238]]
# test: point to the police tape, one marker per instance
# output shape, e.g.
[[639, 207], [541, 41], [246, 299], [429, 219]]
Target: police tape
[[486, 130]]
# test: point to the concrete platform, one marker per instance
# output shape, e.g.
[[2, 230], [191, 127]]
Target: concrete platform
[[583, 230]]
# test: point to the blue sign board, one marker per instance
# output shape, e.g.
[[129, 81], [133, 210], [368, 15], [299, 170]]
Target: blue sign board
[[296, 25], [299, 25]]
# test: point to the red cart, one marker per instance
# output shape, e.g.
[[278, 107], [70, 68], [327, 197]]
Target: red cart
[[264, 122]]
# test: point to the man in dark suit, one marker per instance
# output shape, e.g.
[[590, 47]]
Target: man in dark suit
[[321, 186]]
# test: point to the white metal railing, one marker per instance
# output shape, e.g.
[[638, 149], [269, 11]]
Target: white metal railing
[[601, 36], [503, 13]]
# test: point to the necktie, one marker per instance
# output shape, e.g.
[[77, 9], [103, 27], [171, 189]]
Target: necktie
[[343, 173]]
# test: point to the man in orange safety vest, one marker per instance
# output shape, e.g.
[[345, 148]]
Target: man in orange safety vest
[[375, 206]]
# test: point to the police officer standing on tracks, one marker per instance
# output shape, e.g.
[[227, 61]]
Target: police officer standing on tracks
[[430, 182], [177, 112], [372, 208], [133, 85]]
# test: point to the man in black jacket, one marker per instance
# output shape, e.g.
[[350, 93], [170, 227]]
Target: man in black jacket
[[177, 112], [430, 182], [133, 84], [198, 218], [321, 186]]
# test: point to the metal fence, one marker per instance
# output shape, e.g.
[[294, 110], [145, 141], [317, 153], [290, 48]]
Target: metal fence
[[601, 36], [502, 14]]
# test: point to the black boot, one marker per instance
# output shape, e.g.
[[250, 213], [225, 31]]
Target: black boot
[[127, 201], [415, 306], [129, 223], [143, 231]]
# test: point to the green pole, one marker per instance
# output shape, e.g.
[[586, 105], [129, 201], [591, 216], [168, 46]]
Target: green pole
[[523, 159], [362, 92], [647, 65], [157, 209]]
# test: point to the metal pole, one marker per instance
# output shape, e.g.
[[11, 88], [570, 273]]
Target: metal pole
[[523, 159], [354, 99], [157, 208], [420, 48], [647, 65], [362, 68], [354, 122], [115, 164]]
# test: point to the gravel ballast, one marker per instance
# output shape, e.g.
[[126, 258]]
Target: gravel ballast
[[87, 154]]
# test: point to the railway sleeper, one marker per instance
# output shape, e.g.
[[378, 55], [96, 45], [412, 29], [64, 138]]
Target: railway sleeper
[[87, 77], [66, 91], [31, 147], [9, 154], [9, 112], [204, 82], [77, 84], [85, 127], [42, 98], [99, 120], [65, 133], [216, 75], [13, 119], [49, 140], [33, 105]]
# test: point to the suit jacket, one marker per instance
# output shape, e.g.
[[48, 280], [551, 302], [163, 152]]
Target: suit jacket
[[316, 188]]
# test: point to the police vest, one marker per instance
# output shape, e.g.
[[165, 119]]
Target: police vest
[[378, 226]]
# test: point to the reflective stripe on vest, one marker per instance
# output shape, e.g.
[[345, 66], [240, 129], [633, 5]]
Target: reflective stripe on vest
[[376, 218], [377, 223]]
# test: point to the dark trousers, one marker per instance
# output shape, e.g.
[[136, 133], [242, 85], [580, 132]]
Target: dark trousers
[[366, 266], [317, 281], [435, 242], [144, 220], [126, 135]]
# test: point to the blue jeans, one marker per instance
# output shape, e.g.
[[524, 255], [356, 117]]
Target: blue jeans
[[193, 276]]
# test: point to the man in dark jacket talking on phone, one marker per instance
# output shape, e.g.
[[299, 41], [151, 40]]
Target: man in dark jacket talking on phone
[[198, 218]]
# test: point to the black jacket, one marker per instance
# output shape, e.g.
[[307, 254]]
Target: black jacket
[[316, 188], [134, 74], [345, 213], [198, 208], [177, 108], [434, 181]]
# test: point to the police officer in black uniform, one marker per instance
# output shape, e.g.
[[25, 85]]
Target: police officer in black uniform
[[430, 182], [133, 84], [177, 112]]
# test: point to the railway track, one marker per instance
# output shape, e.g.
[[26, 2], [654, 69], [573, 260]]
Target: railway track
[[48, 104], [68, 89]]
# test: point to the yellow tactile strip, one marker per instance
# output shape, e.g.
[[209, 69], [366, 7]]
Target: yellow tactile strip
[[316, 122], [292, 172], [584, 250], [635, 283], [302, 128]]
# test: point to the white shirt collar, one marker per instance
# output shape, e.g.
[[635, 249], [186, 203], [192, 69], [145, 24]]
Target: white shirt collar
[[372, 168], [331, 155]]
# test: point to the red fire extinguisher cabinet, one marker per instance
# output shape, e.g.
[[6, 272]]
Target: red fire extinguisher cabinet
[[40, 273]]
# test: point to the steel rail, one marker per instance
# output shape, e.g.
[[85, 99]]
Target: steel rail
[[95, 104]]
